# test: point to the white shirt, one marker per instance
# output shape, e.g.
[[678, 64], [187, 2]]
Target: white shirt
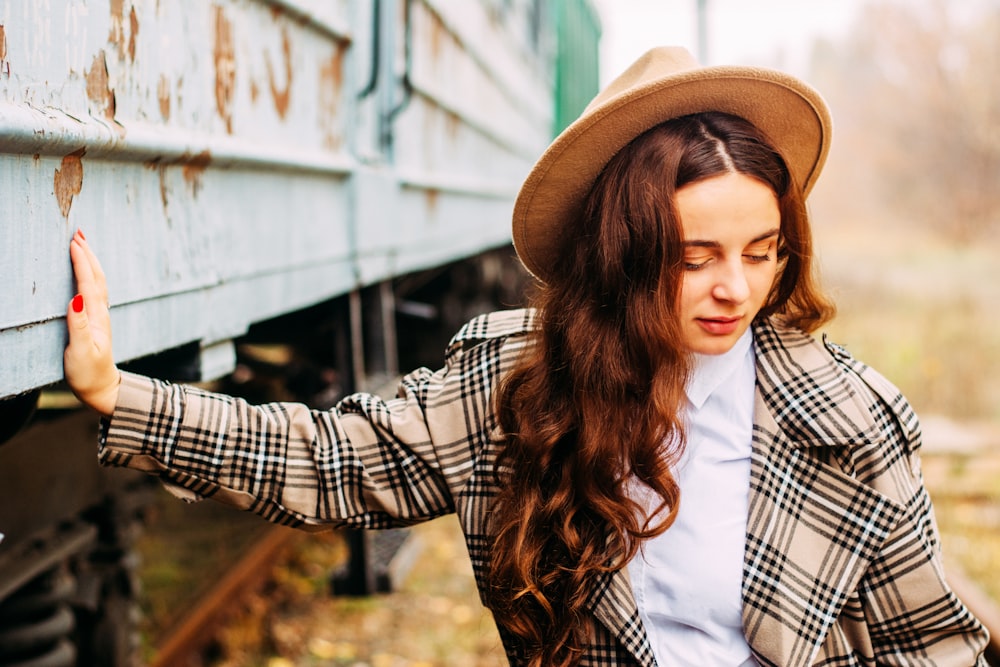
[[687, 581]]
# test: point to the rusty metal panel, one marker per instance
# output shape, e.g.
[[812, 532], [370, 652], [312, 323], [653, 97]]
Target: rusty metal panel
[[233, 160]]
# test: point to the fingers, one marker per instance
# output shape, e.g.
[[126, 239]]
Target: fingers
[[95, 267], [77, 321], [88, 364], [90, 280], [87, 270], [88, 361], [82, 270]]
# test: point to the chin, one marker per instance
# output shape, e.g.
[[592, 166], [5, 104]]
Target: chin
[[714, 346]]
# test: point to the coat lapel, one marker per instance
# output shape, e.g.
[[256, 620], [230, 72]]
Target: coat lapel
[[812, 528], [613, 604]]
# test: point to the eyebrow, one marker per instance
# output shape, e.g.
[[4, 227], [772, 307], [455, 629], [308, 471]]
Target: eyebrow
[[715, 244]]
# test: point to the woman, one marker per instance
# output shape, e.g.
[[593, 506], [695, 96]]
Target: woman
[[657, 464]]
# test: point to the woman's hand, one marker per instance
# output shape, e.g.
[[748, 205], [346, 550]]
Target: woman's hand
[[88, 364]]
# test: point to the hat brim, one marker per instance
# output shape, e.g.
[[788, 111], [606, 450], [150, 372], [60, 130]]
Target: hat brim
[[792, 115]]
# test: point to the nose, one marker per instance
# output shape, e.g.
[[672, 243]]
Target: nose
[[731, 284]]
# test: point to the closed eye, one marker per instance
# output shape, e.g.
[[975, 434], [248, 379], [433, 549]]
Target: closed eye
[[759, 253]]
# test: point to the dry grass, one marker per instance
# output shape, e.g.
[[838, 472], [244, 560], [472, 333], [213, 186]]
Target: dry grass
[[920, 310], [966, 493]]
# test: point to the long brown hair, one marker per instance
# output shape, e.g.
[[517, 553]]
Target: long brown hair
[[594, 407]]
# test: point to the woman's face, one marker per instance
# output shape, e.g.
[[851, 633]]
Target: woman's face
[[730, 226]]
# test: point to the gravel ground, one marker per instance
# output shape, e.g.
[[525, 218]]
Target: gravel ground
[[433, 618]]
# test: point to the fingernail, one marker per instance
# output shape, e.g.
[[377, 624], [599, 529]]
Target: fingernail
[[78, 303], [80, 232]]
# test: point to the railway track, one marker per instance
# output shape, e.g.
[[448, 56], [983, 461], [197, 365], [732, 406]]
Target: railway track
[[250, 573], [193, 638], [380, 560]]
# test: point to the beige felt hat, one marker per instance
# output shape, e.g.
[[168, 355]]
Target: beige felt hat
[[665, 83]]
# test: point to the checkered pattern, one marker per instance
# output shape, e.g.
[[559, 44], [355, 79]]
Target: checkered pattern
[[841, 562]]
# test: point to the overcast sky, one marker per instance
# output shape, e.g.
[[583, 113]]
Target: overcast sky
[[774, 33]]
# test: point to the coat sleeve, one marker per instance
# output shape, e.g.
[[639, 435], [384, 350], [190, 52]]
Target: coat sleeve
[[368, 462], [913, 616]]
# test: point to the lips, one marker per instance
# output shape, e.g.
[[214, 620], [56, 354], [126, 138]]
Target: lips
[[719, 326]]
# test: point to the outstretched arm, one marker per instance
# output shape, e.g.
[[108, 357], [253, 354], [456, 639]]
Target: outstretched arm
[[88, 364]]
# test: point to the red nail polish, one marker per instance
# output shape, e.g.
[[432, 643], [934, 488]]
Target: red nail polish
[[78, 303]]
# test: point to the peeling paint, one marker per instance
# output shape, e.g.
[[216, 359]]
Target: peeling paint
[[163, 96], [281, 96], [332, 73], [162, 169], [224, 56], [116, 34], [331, 79], [133, 21], [98, 89], [193, 169], [68, 181], [4, 65], [437, 36], [431, 197]]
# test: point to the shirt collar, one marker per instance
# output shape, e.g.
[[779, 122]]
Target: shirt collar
[[711, 370]]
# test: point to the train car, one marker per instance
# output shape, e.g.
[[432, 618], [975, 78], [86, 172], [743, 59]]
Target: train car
[[336, 176]]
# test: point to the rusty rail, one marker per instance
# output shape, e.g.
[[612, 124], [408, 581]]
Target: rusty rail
[[250, 573]]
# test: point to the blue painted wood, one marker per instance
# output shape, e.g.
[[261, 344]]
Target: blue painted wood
[[222, 163]]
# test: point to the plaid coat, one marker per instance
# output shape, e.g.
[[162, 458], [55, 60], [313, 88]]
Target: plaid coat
[[841, 564]]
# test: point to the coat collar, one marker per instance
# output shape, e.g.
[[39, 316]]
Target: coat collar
[[806, 392], [811, 529]]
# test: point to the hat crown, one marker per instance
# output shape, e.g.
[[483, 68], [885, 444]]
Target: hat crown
[[654, 65], [664, 83]]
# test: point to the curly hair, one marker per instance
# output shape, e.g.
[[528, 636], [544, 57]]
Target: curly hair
[[595, 405]]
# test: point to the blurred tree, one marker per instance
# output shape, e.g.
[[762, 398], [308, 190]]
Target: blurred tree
[[916, 98]]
